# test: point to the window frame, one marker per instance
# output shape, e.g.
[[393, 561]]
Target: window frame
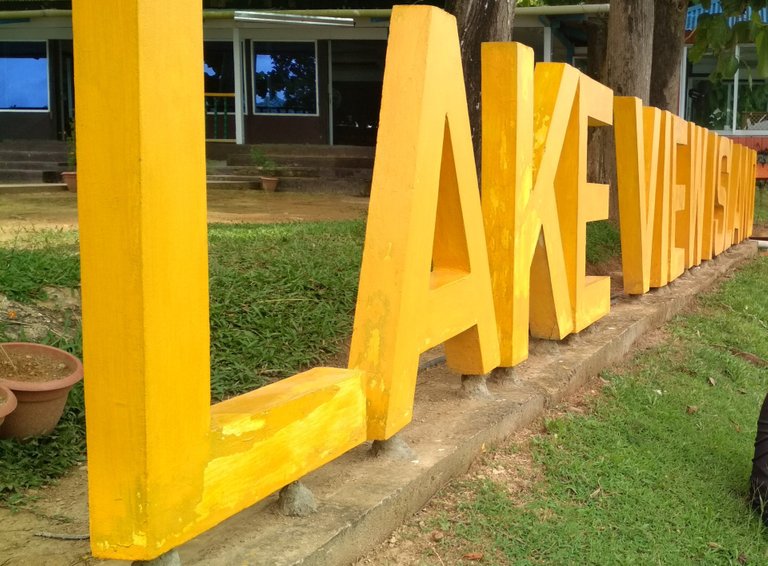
[[234, 89], [47, 110], [254, 110]]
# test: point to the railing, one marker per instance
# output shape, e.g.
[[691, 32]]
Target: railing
[[217, 105]]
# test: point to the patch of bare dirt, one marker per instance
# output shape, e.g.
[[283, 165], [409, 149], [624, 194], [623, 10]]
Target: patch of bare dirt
[[58, 314], [34, 211], [420, 540]]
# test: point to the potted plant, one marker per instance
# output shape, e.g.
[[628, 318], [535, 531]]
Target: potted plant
[[7, 402], [70, 176], [40, 377], [267, 168]]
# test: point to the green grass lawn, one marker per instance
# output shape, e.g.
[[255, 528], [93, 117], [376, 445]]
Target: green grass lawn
[[657, 471], [282, 299]]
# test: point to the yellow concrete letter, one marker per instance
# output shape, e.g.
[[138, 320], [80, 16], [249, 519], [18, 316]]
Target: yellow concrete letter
[[424, 190]]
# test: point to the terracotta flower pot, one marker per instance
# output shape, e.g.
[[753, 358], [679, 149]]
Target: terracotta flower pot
[[70, 178], [7, 402], [40, 402], [269, 184]]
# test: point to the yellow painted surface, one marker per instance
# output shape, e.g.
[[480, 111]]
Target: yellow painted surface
[[424, 211], [591, 295], [507, 183], [711, 178], [638, 132], [164, 466], [144, 266], [661, 237], [698, 198], [551, 306], [721, 195], [265, 439], [680, 172], [160, 469]]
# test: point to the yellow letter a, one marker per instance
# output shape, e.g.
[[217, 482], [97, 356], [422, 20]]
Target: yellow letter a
[[415, 294]]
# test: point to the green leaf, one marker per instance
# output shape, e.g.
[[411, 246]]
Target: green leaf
[[761, 44], [727, 64]]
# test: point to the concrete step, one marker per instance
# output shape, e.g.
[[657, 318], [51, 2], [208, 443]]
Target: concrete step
[[20, 175], [26, 155], [36, 165], [33, 145], [234, 184]]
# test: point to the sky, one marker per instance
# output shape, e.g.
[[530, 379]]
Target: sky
[[23, 83]]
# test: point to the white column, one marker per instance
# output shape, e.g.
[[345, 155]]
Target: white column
[[237, 51], [547, 44]]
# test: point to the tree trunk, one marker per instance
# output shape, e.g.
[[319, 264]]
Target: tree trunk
[[668, 44], [479, 21], [597, 46], [628, 73]]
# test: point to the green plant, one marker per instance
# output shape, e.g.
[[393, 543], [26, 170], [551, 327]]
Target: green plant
[[264, 163], [72, 146]]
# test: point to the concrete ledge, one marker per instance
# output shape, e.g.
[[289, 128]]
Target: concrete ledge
[[362, 499]]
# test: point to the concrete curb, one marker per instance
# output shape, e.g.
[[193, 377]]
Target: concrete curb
[[363, 499]]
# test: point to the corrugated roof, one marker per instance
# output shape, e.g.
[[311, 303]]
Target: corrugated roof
[[694, 12]]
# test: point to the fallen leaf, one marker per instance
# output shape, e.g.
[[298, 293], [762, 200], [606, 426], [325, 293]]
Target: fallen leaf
[[473, 556], [742, 558], [437, 536], [595, 493], [713, 545], [712, 381], [691, 409]]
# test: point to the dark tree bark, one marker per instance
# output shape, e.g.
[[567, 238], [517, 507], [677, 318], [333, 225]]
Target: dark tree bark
[[668, 43], [597, 46], [479, 21], [628, 72]]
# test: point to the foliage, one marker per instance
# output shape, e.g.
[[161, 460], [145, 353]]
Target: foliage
[[714, 35], [657, 472], [290, 83], [603, 241], [72, 146], [282, 298], [260, 160], [33, 262]]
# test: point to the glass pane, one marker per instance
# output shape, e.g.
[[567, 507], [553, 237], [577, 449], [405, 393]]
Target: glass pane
[[708, 104], [23, 75], [752, 105], [219, 76], [284, 77]]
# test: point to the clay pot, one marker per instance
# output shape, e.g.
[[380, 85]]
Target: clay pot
[[269, 184], [40, 403], [70, 178], [9, 403]]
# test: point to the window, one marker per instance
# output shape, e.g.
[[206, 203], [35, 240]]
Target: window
[[23, 75], [708, 104], [219, 76], [284, 77], [752, 101]]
